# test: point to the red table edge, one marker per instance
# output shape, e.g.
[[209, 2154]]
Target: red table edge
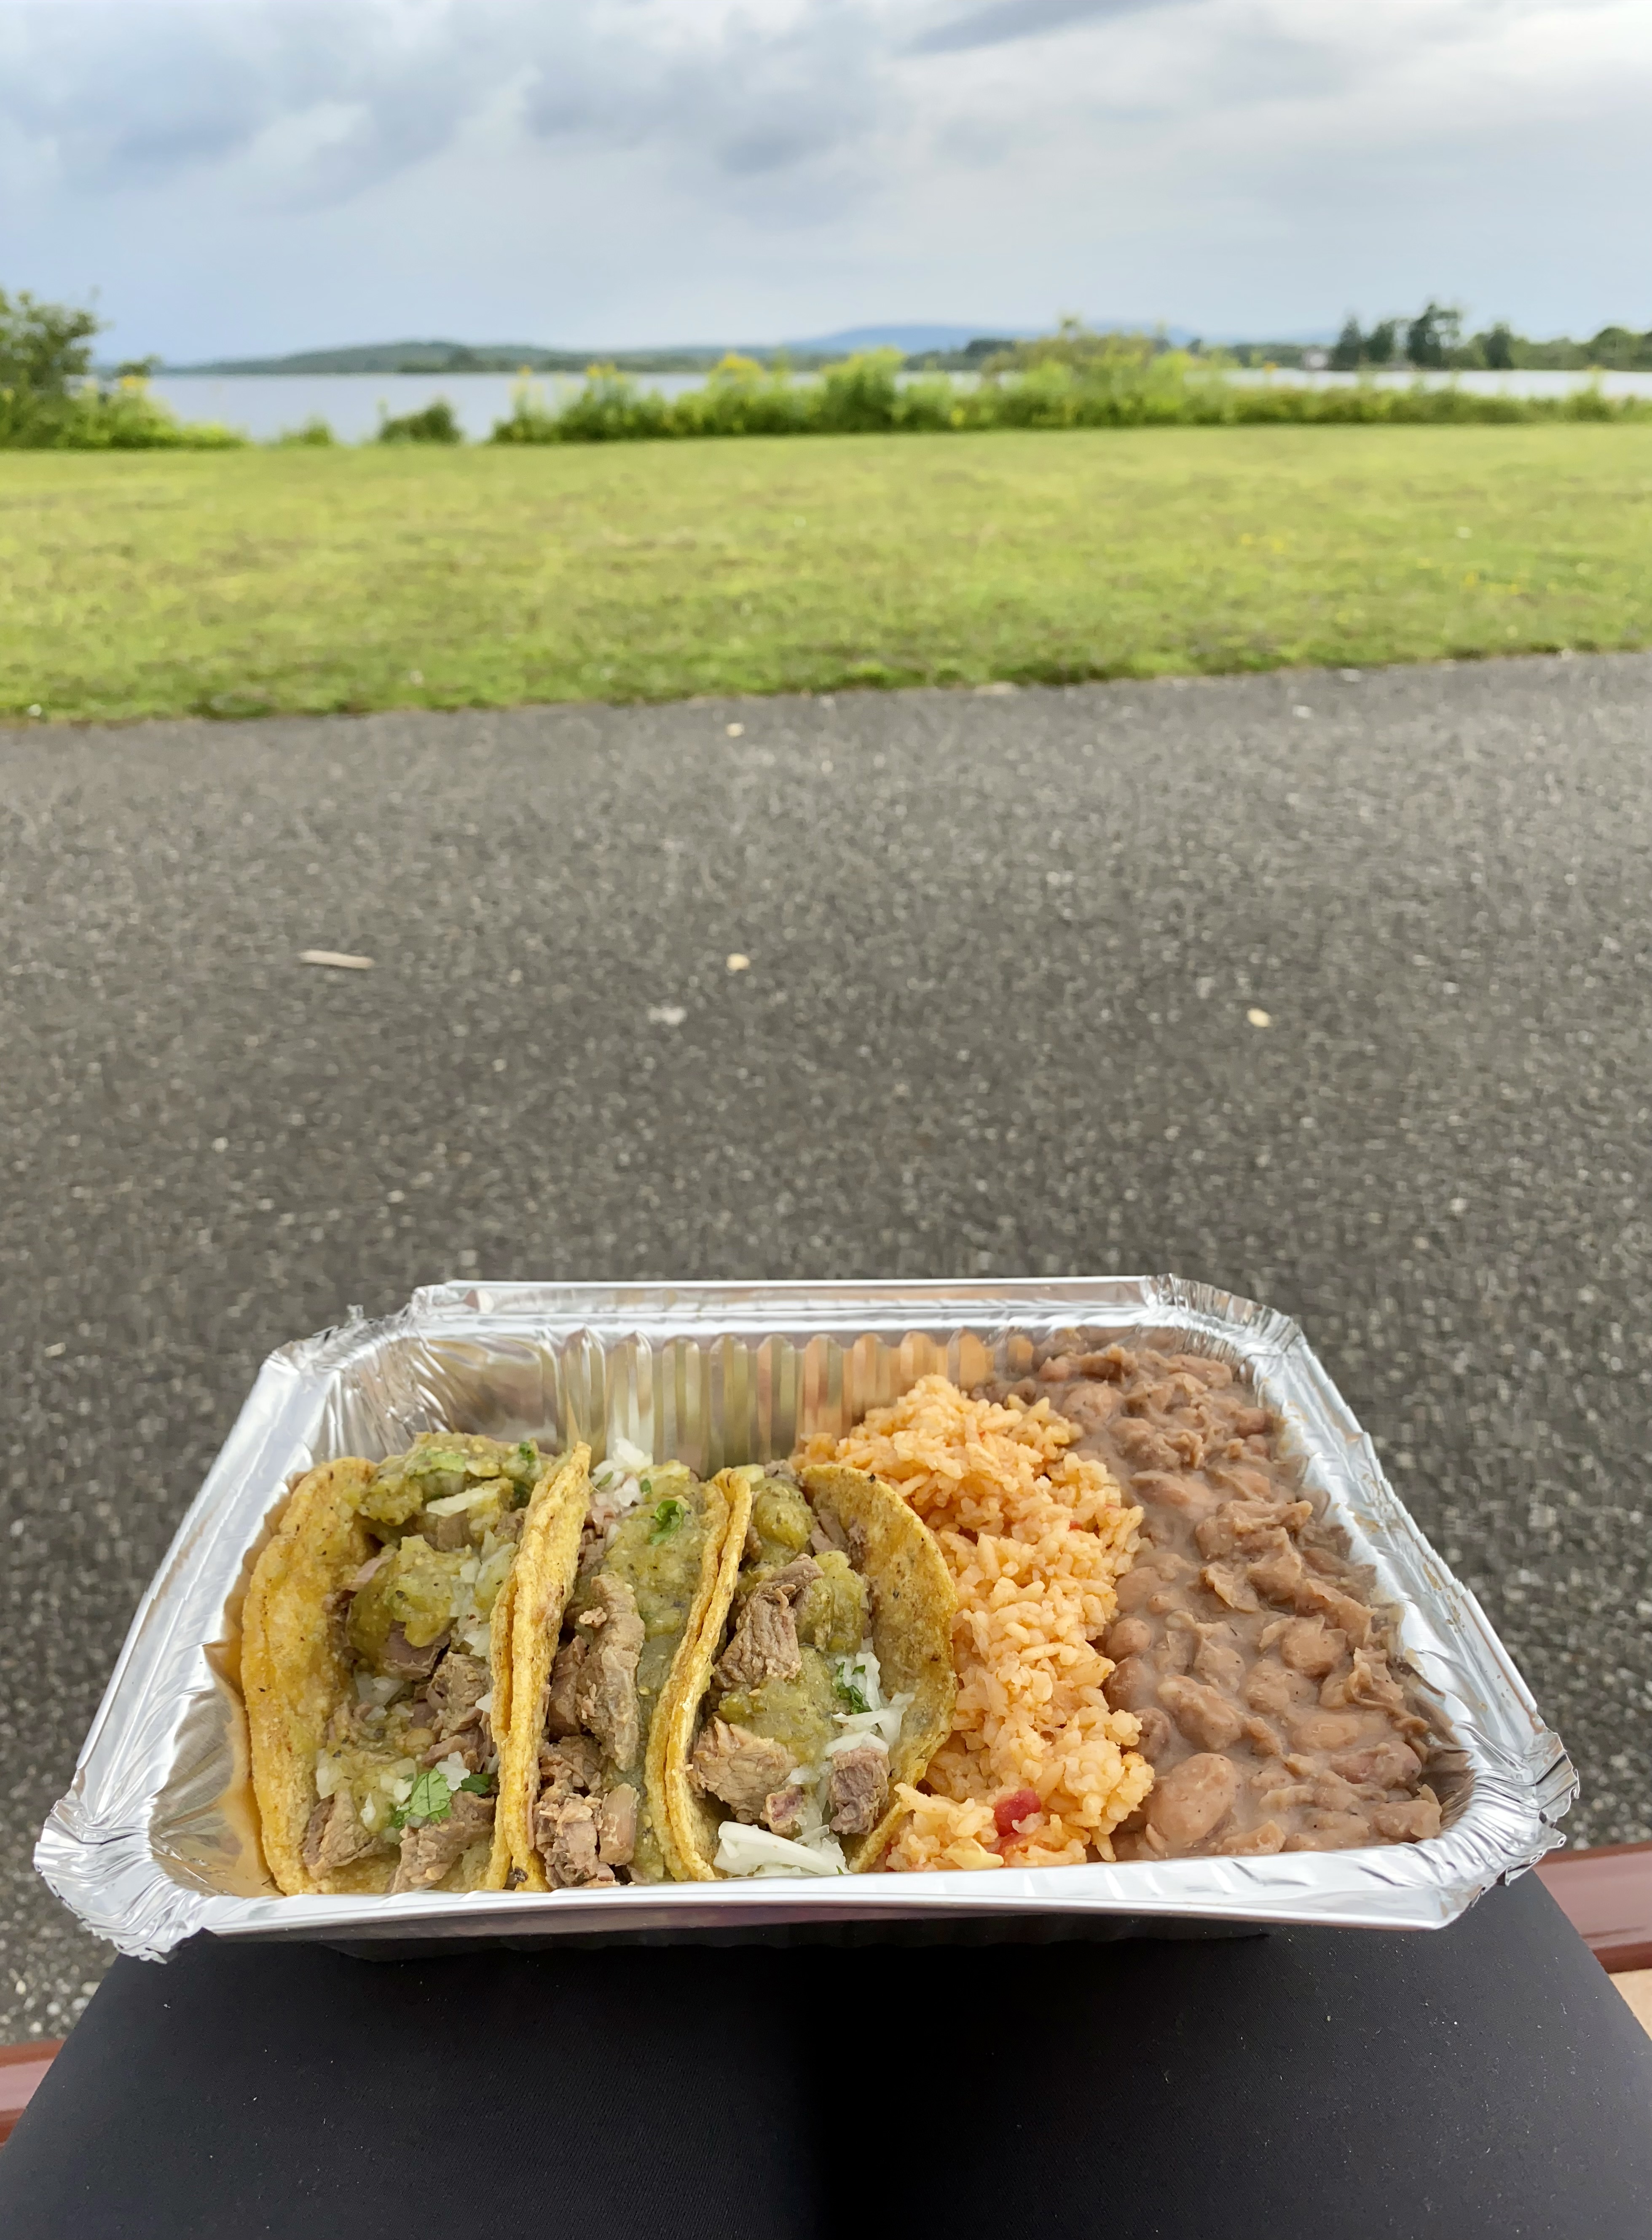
[[1605, 1893], [21, 2068], [1574, 1879]]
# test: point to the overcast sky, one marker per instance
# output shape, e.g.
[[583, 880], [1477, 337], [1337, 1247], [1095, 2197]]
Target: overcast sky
[[242, 175]]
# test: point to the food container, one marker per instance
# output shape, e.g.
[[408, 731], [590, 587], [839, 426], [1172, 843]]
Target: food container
[[158, 1837]]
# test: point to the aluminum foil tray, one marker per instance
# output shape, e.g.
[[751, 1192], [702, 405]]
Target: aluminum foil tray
[[158, 1837]]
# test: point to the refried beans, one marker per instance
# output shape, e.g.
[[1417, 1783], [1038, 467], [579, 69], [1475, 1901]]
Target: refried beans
[[1246, 1642]]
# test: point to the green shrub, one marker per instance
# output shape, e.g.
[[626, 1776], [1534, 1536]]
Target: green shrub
[[437, 423], [1070, 379], [123, 418], [49, 402], [314, 430]]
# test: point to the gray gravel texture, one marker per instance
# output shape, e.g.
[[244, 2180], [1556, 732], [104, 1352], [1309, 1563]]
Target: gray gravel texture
[[1004, 953]]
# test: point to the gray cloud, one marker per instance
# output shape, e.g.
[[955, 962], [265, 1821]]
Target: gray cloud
[[1006, 21], [749, 104], [129, 95], [260, 173]]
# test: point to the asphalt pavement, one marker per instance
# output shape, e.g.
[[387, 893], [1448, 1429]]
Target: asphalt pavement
[[1010, 959]]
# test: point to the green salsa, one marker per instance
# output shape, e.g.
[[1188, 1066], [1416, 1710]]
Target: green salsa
[[657, 1550], [796, 1714], [440, 1464], [414, 1588], [833, 1619]]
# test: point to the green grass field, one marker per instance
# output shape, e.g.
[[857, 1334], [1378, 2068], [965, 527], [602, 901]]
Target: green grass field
[[237, 583]]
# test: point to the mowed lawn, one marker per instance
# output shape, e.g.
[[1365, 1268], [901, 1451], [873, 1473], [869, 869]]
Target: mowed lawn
[[234, 583]]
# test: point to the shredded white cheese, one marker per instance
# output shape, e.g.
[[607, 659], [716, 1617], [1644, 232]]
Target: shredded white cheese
[[742, 1851]]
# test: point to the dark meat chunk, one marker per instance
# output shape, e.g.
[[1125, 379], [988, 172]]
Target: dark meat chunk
[[568, 1840], [858, 1789], [608, 1705], [335, 1835], [429, 1853], [573, 1764], [617, 1826], [509, 1527], [400, 1657], [1192, 1799], [457, 1687], [764, 1646], [783, 1811], [828, 1532], [561, 1691], [1205, 1718], [446, 1533], [472, 1744], [741, 1768]]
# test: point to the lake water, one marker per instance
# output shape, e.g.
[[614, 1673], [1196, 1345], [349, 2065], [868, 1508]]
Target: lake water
[[263, 405]]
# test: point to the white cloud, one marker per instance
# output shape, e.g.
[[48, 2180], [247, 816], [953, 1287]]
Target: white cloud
[[258, 174]]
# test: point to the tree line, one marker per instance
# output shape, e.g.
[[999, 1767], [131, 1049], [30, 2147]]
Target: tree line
[[52, 399], [1433, 339]]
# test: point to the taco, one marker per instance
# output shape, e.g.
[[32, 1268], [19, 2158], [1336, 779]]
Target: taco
[[821, 1680], [375, 1665], [613, 1585]]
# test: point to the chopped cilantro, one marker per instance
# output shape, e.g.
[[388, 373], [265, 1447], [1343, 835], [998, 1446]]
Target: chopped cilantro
[[667, 1517], [479, 1784], [849, 1694], [647, 1485], [430, 1798]]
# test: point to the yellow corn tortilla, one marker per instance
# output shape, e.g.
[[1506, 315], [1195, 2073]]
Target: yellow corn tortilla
[[295, 1670], [912, 1604], [293, 1667], [544, 1578]]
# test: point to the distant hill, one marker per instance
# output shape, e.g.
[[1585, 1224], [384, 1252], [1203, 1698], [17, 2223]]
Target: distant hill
[[455, 358], [935, 344], [439, 356]]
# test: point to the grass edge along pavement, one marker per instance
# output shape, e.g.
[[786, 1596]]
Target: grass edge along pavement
[[313, 580]]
